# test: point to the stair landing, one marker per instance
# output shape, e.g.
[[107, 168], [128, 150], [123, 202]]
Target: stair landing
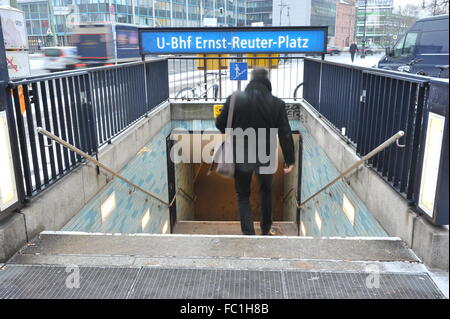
[[229, 228]]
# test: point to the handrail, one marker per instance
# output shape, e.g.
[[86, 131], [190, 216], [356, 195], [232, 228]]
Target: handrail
[[288, 194], [185, 194], [198, 172], [97, 163], [375, 151], [190, 197]]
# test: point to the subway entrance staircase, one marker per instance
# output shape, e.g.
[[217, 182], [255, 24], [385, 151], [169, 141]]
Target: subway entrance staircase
[[214, 266], [229, 228]]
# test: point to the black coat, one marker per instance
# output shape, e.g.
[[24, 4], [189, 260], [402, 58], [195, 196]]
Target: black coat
[[257, 108], [353, 48]]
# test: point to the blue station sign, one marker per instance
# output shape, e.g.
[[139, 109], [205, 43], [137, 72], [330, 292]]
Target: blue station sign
[[232, 40], [238, 71]]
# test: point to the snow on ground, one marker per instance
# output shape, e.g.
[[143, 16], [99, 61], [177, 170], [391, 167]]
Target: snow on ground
[[368, 61]]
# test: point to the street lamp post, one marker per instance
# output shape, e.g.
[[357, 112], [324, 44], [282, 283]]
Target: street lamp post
[[52, 35], [363, 50], [282, 6]]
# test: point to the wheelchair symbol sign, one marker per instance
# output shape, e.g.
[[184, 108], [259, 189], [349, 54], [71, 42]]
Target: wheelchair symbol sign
[[238, 71]]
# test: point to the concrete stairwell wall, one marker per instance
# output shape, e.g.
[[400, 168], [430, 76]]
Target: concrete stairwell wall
[[54, 207], [392, 211]]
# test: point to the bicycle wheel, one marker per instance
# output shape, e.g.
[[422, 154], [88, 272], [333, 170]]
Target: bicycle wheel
[[296, 90], [186, 94]]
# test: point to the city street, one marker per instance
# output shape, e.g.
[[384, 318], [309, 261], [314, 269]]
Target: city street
[[37, 61]]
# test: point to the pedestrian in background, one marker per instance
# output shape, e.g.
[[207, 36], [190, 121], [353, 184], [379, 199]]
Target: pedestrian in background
[[353, 51]]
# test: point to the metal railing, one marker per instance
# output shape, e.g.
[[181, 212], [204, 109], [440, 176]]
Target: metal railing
[[87, 108], [190, 80], [366, 106]]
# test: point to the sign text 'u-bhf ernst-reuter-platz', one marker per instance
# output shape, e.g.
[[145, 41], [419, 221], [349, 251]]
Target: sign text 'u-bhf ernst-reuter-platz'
[[233, 40]]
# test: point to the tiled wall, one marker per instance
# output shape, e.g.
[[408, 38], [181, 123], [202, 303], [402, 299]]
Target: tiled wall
[[337, 212], [115, 210]]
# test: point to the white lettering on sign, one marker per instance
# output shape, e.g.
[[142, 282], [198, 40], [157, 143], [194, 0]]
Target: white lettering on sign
[[292, 43], [178, 42]]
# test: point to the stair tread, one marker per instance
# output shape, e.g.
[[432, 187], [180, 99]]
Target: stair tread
[[229, 228], [209, 247]]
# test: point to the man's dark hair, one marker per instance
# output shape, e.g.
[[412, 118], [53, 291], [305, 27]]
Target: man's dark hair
[[261, 75]]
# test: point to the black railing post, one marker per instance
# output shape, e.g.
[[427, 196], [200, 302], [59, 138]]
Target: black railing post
[[90, 116], [6, 106], [320, 85], [147, 100], [299, 183], [205, 76]]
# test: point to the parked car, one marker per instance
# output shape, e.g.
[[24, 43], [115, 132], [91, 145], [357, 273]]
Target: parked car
[[422, 50], [332, 50], [60, 58]]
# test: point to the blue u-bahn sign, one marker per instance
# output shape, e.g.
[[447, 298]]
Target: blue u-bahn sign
[[233, 40]]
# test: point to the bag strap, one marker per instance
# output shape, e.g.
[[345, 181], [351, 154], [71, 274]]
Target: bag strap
[[231, 110]]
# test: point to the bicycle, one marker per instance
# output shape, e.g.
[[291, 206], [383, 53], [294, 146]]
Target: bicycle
[[201, 90], [296, 90]]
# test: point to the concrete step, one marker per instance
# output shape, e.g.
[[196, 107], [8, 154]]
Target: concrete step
[[50, 282], [216, 266], [249, 252], [229, 228]]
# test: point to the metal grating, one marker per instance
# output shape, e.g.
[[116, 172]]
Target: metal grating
[[332, 285], [17, 281], [208, 284], [49, 282]]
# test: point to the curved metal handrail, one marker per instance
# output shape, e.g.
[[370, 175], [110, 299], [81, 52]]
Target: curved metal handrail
[[97, 163]]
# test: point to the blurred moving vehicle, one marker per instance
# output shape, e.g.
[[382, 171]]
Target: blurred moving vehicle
[[332, 50], [422, 50], [60, 58], [106, 44]]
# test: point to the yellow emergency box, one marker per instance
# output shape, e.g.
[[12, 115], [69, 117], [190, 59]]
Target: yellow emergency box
[[265, 63], [211, 63]]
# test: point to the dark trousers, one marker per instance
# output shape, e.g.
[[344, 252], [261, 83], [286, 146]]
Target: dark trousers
[[242, 182], [352, 55]]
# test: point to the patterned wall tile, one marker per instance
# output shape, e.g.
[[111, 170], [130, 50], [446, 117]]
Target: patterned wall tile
[[117, 209]]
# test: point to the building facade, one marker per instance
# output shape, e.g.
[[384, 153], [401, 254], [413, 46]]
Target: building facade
[[46, 17], [379, 25], [305, 13], [345, 23], [259, 11]]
